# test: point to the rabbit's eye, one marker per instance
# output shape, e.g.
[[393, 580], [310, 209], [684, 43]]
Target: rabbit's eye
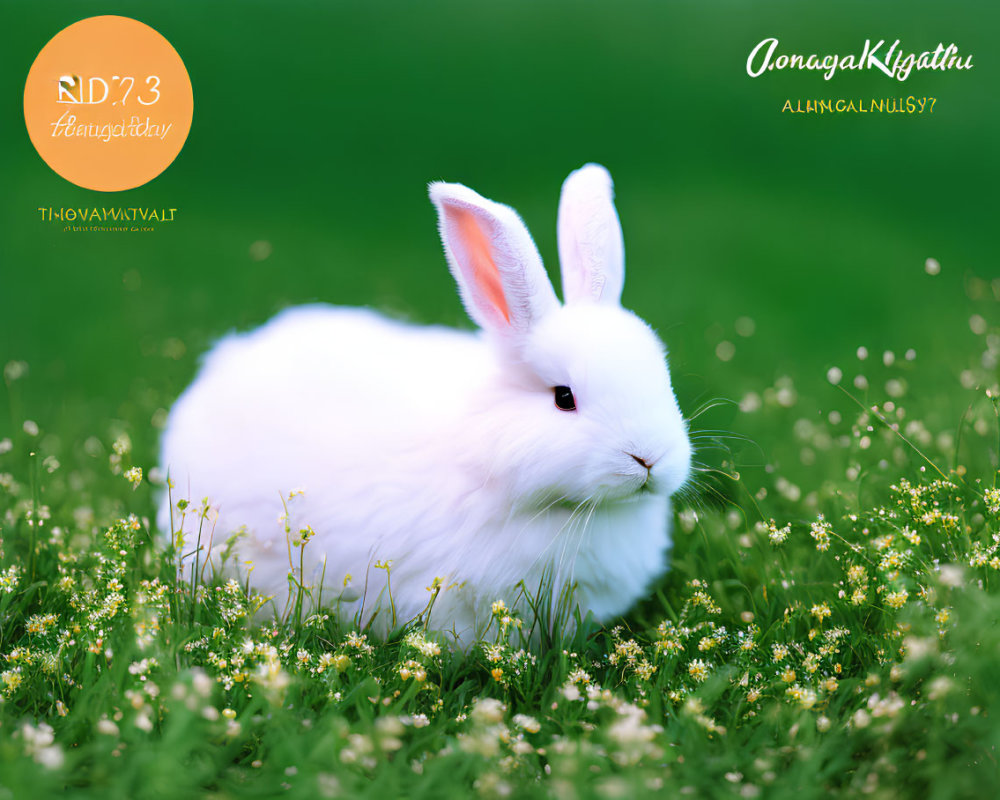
[[564, 398]]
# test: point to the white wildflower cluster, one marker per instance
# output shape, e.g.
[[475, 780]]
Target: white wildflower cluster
[[134, 476], [527, 723], [272, 677], [775, 535], [820, 531], [632, 737], [699, 669], [359, 642], [629, 656], [328, 661], [992, 500], [142, 668], [10, 578], [36, 517], [424, 646], [231, 601], [40, 744], [10, 680], [121, 448], [488, 733], [509, 664]]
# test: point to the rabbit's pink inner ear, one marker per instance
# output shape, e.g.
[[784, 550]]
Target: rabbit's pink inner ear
[[478, 262]]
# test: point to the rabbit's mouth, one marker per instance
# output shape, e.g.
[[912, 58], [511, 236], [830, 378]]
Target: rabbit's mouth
[[630, 484]]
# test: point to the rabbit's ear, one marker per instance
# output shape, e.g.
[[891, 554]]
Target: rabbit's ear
[[491, 254], [591, 248]]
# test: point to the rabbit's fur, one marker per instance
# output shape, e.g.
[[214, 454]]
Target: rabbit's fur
[[443, 451]]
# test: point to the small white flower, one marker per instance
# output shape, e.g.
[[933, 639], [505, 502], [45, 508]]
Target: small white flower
[[530, 724], [487, 710]]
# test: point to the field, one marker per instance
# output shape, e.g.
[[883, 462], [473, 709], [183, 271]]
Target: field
[[827, 290], [837, 638]]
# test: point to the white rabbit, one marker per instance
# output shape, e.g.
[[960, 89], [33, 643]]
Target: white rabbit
[[546, 445]]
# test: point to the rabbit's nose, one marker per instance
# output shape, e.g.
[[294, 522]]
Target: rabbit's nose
[[644, 462]]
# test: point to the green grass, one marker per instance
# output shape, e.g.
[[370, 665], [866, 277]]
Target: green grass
[[828, 627], [781, 244]]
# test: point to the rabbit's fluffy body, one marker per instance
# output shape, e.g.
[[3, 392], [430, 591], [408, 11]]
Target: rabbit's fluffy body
[[442, 451]]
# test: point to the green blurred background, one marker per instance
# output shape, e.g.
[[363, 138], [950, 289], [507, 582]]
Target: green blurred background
[[318, 125]]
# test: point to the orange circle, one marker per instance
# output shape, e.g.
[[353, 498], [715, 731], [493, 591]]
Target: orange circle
[[108, 103]]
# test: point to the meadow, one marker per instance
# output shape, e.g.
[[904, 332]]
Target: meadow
[[826, 289], [835, 638]]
